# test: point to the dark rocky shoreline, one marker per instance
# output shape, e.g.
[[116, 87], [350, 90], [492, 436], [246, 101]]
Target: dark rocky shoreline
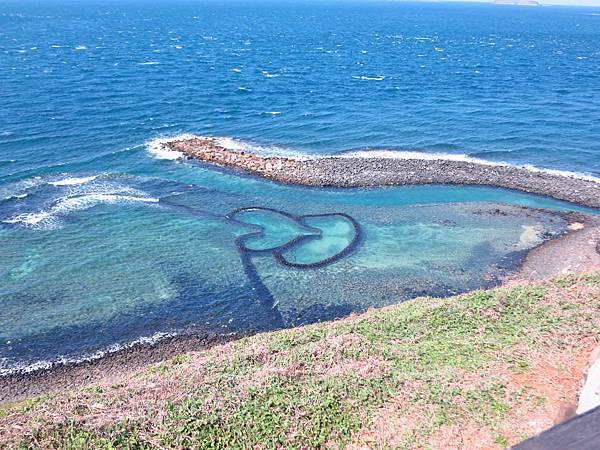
[[21, 385], [348, 171]]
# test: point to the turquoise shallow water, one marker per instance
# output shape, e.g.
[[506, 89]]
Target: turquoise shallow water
[[103, 241], [97, 265]]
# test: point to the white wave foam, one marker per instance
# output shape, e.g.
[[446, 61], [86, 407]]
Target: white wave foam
[[406, 154], [80, 196], [251, 147], [231, 143], [5, 369], [81, 47], [365, 78], [19, 187], [157, 148], [149, 63], [73, 181], [49, 219], [19, 196], [562, 173], [29, 218], [401, 154]]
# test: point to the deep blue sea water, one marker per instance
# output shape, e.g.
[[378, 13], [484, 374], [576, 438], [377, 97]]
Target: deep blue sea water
[[104, 240]]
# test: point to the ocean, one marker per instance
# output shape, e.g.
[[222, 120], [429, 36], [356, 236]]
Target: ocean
[[107, 240]]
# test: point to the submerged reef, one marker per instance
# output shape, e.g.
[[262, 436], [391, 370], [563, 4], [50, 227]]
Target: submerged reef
[[354, 171]]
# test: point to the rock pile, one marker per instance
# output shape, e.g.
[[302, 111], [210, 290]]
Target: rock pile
[[340, 171]]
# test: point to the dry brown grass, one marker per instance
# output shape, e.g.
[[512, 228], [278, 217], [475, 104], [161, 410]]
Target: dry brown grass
[[483, 370]]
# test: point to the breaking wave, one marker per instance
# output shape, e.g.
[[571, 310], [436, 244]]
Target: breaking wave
[[401, 154], [373, 78], [7, 369], [73, 181], [19, 189], [77, 193], [50, 218], [16, 196], [159, 150]]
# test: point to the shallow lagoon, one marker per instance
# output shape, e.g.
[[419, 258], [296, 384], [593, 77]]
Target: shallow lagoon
[[92, 263]]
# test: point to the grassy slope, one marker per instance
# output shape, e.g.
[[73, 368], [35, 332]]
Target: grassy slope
[[481, 370]]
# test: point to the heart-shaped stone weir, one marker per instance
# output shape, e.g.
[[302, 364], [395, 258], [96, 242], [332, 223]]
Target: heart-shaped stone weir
[[307, 241]]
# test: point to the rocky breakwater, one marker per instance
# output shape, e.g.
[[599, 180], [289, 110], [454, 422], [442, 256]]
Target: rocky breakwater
[[210, 151], [349, 171]]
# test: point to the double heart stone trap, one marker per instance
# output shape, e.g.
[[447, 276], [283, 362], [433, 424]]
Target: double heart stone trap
[[302, 242]]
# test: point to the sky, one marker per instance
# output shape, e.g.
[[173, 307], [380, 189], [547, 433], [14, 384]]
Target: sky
[[550, 2]]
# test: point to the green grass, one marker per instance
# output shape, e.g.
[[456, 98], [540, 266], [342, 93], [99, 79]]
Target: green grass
[[325, 385]]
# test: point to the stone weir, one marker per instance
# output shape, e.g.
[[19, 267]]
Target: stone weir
[[349, 171]]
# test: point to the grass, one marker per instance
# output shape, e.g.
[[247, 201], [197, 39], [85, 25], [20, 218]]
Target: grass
[[474, 370]]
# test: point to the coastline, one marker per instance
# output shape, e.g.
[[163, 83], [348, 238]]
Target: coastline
[[579, 251], [507, 361], [576, 251], [64, 376], [351, 171]]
